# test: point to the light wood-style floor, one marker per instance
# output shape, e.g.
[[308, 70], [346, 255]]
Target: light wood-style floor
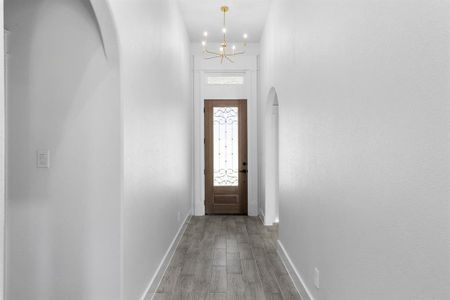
[[227, 257]]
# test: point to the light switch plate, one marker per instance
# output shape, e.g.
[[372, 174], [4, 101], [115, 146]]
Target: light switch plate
[[43, 159]]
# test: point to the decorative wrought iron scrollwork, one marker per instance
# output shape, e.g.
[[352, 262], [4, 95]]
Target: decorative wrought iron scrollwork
[[226, 147]]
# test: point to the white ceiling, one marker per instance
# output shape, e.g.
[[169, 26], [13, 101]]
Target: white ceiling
[[245, 16]]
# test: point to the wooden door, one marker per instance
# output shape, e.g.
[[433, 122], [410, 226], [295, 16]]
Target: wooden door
[[226, 156]]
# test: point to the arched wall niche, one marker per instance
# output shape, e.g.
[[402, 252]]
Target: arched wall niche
[[107, 28], [271, 165], [272, 98]]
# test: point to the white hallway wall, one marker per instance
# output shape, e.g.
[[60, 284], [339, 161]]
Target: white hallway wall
[[364, 93], [157, 115], [63, 223], [72, 231]]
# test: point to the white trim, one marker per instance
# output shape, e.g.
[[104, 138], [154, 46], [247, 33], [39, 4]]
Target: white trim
[[3, 63], [261, 216], [157, 277], [293, 273], [263, 219]]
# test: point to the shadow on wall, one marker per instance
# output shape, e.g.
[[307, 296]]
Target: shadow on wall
[[271, 161]]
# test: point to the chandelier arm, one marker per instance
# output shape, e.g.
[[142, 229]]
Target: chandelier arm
[[212, 57], [213, 53], [229, 59], [237, 53]]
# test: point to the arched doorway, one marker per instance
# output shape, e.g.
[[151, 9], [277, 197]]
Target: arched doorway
[[271, 170]]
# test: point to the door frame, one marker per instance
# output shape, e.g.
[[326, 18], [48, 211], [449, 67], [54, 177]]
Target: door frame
[[250, 73]]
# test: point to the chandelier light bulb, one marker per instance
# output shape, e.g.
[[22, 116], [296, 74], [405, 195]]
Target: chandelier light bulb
[[205, 34], [203, 43], [224, 30], [221, 49], [234, 47], [245, 36]]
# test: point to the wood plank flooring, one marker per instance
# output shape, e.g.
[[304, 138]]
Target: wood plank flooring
[[226, 258]]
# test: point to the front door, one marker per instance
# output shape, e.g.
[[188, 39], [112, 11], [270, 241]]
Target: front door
[[226, 156]]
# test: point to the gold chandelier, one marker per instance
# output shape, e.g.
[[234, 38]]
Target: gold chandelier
[[224, 52]]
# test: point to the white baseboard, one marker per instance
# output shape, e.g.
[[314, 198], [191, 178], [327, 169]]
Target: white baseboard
[[295, 275], [262, 217], [156, 280]]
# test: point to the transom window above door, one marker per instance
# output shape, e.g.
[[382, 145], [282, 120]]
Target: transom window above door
[[225, 80]]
